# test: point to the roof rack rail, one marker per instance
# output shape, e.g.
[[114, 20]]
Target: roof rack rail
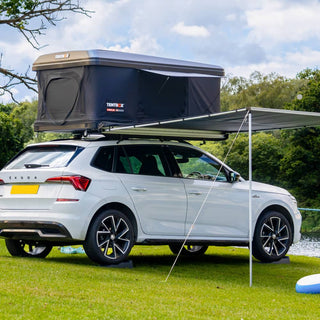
[[121, 137], [131, 135]]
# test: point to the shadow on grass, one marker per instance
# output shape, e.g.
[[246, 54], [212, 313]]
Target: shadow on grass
[[141, 260], [167, 260], [158, 260], [222, 268], [208, 267]]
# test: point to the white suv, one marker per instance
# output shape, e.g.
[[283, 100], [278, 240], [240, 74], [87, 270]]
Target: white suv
[[111, 194]]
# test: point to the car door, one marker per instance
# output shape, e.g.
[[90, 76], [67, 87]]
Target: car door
[[215, 206], [160, 200]]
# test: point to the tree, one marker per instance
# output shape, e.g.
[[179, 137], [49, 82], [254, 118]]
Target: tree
[[10, 140], [6, 108], [16, 128], [266, 155], [31, 18], [265, 91], [301, 163], [309, 94], [25, 113]]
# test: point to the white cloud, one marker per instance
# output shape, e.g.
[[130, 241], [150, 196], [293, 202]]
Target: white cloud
[[29, 98], [302, 59], [6, 97], [288, 65], [231, 17], [108, 24], [278, 67], [191, 31], [144, 44], [17, 53], [283, 21]]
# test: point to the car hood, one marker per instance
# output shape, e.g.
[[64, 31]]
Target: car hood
[[262, 187]]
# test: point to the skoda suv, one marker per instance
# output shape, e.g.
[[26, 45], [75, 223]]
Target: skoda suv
[[109, 195]]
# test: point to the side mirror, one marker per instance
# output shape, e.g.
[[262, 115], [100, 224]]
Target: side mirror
[[234, 176]]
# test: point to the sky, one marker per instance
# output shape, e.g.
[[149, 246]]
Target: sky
[[242, 36]]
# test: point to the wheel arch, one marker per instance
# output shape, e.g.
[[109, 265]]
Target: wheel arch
[[280, 209], [122, 208]]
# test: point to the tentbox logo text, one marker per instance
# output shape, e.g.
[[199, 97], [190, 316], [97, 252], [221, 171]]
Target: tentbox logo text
[[115, 107]]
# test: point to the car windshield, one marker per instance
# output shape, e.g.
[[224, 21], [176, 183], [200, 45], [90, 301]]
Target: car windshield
[[52, 156]]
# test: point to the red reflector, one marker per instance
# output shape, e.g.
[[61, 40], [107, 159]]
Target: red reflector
[[66, 200], [79, 182]]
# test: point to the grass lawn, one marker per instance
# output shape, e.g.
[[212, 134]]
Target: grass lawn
[[215, 286]]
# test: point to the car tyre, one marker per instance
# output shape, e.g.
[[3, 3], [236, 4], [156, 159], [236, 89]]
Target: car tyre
[[272, 237], [188, 250], [21, 248], [110, 238]]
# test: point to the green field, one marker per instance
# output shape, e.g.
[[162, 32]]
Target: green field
[[215, 286]]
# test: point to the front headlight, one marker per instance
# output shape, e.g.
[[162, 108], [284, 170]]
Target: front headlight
[[294, 204], [295, 207], [293, 199]]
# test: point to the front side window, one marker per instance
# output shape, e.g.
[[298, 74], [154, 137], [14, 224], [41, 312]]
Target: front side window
[[194, 164], [50, 156], [143, 160]]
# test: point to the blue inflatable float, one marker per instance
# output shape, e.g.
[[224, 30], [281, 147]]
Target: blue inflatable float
[[309, 284]]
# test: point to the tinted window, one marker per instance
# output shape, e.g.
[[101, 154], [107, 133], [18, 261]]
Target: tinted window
[[104, 159], [123, 164], [194, 164], [52, 156], [142, 159]]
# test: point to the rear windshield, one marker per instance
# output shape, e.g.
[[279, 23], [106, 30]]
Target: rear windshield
[[50, 156]]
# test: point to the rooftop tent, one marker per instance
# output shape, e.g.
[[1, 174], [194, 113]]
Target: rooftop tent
[[81, 90]]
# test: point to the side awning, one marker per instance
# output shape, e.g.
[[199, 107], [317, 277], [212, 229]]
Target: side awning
[[217, 126]]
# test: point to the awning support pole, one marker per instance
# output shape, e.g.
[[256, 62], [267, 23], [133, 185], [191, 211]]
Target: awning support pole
[[250, 197]]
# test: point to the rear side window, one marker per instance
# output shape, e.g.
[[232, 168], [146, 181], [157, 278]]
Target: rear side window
[[50, 156], [103, 159], [142, 159]]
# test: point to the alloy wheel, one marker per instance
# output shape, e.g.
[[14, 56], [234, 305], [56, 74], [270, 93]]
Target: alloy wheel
[[32, 249], [113, 237], [275, 236]]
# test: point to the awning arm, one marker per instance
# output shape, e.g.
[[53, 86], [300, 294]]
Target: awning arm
[[250, 197]]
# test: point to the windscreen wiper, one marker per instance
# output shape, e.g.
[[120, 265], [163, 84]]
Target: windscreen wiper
[[35, 165]]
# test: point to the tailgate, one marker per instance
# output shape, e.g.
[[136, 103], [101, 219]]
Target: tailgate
[[28, 190]]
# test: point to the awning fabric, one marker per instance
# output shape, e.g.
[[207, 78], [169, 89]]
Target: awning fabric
[[215, 126]]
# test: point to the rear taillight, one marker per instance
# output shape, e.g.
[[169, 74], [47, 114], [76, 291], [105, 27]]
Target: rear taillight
[[79, 182], [1, 182]]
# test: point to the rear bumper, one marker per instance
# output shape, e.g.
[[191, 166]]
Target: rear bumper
[[34, 230], [64, 220]]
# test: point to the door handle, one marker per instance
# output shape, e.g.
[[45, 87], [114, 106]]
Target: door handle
[[139, 189]]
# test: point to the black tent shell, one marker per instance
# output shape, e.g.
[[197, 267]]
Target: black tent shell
[[89, 90]]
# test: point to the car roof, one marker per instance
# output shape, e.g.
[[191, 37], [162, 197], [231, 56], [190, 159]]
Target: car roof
[[96, 142]]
